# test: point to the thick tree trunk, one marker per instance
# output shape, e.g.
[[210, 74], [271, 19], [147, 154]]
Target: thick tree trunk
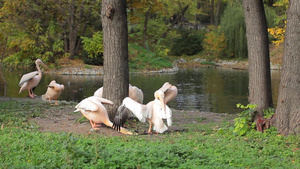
[[115, 46], [258, 55], [287, 117]]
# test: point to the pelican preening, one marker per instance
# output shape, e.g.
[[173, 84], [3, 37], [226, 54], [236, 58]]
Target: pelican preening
[[170, 92], [155, 111], [54, 90], [31, 80], [92, 108]]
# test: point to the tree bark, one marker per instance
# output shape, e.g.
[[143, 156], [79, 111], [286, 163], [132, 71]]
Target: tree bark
[[147, 14], [287, 116], [260, 92], [115, 51]]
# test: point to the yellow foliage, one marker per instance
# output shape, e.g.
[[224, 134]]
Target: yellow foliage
[[215, 43], [277, 33]]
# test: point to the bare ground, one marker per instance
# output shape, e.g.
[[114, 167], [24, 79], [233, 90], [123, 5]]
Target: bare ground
[[62, 118]]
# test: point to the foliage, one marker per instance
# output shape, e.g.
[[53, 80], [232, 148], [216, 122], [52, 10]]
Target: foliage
[[244, 122], [186, 43], [268, 113], [201, 146], [141, 58], [214, 43], [93, 46], [234, 28], [278, 31]]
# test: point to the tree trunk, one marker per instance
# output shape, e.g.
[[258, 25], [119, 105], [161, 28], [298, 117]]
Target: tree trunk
[[260, 92], [211, 13], [287, 117], [1, 72], [72, 41], [217, 13], [115, 51], [147, 14]]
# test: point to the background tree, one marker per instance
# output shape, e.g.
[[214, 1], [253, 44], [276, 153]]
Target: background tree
[[260, 92], [287, 116], [115, 47]]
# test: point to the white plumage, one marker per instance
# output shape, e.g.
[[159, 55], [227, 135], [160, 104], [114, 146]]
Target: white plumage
[[54, 90], [92, 108], [155, 112]]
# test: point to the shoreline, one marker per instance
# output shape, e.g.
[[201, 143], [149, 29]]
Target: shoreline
[[83, 69]]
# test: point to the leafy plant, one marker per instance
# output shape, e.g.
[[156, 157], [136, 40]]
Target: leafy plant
[[94, 48], [268, 113], [214, 43], [244, 122], [143, 59], [187, 43]]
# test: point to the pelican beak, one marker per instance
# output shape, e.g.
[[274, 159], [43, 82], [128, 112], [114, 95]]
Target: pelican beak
[[163, 105], [45, 65]]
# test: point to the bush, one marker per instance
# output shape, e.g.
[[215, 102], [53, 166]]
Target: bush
[[214, 43], [93, 49], [187, 43]]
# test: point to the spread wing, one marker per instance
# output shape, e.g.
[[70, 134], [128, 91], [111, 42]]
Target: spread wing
[[139, 110], [129, 105], [136, 94], [27, 77]]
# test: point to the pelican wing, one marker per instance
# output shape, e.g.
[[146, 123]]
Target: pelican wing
[[87, 104], [27, 77], [136, 94], [99, 92], [165, 87], [169, 116], [139, 110]]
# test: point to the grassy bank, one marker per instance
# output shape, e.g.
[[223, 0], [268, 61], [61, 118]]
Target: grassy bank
[[211, 145]]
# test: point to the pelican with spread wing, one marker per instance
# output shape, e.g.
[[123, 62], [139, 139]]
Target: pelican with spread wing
[[32, 79], [154, 112], [92, 108]]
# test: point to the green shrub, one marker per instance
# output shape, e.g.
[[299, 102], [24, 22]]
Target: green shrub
[[141, 59], [244, 122], [187, 43], [93, 49]]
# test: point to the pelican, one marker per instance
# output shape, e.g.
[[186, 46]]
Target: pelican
[[170, 92], [134, 92], [154, 112], [31, 80], [92, 108], [54, 90]]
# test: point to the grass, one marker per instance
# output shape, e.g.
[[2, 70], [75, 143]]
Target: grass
[[201, 146]]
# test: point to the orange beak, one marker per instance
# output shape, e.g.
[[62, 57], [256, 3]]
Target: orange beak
[[162, 102]]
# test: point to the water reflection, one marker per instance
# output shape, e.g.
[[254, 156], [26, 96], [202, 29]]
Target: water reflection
[[206, 89]]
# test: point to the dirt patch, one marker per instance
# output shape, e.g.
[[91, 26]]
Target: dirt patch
[[62, 118]]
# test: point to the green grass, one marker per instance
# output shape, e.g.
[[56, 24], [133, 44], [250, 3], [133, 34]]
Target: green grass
[[201, 146]]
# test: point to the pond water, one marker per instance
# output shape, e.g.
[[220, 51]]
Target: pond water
[[212, 89]]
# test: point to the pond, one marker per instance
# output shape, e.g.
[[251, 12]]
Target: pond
[[208, 89]]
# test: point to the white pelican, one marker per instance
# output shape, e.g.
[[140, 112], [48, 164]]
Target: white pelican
[[92, 108], [31, 80], [155, 112], [169, 91], [134, 92], [54, 90]]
